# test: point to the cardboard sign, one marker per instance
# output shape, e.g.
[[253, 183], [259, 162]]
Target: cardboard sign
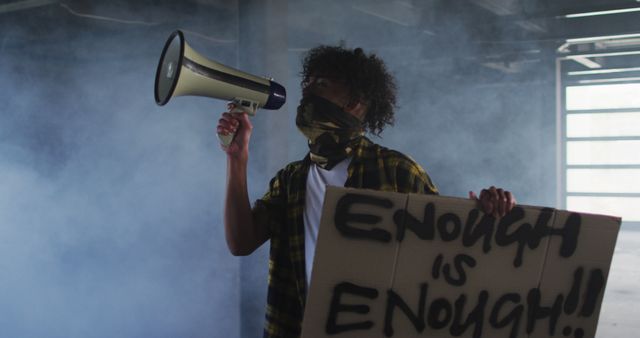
[[405, 265]]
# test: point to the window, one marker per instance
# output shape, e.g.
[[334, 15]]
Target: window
[[600, 142]]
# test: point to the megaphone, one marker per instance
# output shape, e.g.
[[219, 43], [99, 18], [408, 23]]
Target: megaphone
[[182, 71]]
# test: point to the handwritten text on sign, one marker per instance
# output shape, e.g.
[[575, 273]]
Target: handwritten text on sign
[[397, 265]]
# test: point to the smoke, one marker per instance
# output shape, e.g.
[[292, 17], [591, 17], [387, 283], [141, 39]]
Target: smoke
[[475, 108], [110, 207]]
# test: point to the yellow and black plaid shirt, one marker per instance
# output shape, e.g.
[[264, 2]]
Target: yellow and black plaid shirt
[[372, 167]]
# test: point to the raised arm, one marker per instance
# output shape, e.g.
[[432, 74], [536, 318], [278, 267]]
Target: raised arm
[[244, 230]]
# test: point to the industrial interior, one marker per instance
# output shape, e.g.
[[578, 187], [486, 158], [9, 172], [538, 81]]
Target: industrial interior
[[111, 206]]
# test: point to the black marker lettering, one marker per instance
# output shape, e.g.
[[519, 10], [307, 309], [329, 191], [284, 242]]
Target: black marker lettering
[[514, 316], [594, 288], [569, 234], [435, 271], [423, 229], [394, 300], [473, 232], [443, 221], [343, 217], [530, 236], [535, 311], [475, 317], [332, 327], [439, 306], [520, 235], [571, 304], [462, 276]]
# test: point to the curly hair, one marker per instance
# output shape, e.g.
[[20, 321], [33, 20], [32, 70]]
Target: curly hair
[[365, 76]]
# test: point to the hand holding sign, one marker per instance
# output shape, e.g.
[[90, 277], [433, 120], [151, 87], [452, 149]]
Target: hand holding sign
[[494, 201]]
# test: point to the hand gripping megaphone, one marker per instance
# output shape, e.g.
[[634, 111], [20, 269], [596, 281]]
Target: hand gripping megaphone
[[182, 71]]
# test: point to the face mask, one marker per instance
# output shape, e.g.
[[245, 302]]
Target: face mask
[[330, 130]]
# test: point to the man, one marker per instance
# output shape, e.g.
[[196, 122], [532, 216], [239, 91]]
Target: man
[[345, 93]]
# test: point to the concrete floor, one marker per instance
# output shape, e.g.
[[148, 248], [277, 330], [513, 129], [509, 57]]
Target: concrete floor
[[620, 313]]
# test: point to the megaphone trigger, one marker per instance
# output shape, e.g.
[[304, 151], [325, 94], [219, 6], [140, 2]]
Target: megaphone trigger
[[244, 106]]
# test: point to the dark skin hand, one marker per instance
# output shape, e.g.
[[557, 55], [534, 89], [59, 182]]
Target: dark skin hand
[[494, 201]]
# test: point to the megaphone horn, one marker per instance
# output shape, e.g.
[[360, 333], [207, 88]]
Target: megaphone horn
[[182, 71]]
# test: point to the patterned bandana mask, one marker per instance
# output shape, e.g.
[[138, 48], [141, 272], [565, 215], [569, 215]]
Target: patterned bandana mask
[[331, 131]]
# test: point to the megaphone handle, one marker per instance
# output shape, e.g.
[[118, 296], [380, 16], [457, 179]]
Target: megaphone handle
[[240, 105], [226, 140]]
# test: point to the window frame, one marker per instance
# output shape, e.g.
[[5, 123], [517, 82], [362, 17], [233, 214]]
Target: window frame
[[564, 80]]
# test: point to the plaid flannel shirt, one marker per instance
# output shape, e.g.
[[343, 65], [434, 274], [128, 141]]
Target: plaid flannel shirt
[[372, 167]]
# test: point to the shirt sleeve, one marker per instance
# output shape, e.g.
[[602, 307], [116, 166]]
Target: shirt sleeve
[[272, 205], [410, 177], [424, 185]]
